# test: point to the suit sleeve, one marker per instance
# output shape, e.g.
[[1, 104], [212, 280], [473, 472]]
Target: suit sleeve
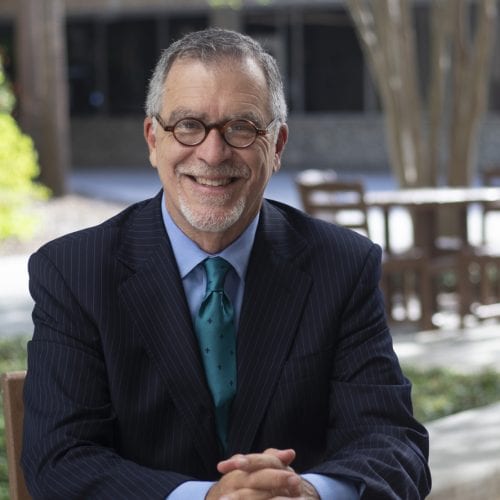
[[372, 436], [69, 424]]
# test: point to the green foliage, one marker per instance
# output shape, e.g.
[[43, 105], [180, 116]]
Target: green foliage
[[439, 392], [7, 99], [13, 354], [18, 169]]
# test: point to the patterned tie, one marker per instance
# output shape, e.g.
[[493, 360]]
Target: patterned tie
[[215, 329]]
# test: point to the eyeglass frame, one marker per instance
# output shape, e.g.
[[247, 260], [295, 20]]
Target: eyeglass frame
[[220, 127]]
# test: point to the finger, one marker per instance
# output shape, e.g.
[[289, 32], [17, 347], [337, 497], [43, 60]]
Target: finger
[[276, 482], [228, 483], [247, 494], [286, 456], [267, 482], [235, 462], [251, 463]]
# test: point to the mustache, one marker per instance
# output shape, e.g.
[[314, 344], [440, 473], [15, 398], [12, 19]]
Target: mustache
[[222, 170]]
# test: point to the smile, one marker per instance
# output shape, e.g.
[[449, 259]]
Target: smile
[[206, 181]]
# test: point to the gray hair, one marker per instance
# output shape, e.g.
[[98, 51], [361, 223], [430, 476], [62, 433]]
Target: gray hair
[[210, 46]]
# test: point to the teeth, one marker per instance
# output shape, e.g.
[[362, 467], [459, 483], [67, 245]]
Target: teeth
[[212, 182]]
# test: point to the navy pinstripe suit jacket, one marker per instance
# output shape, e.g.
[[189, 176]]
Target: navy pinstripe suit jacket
[[116, 402]]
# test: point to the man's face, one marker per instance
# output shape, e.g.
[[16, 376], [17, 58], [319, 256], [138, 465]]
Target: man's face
[[213, 190]]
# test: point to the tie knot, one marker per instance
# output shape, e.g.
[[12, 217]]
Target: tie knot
[[216, 269]]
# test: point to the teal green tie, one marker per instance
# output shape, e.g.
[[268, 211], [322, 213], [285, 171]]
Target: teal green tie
[[216, 333]]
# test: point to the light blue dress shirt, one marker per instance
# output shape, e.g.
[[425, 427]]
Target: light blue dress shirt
[[189, 257]]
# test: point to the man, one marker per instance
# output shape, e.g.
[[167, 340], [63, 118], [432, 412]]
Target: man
[[305, 397]]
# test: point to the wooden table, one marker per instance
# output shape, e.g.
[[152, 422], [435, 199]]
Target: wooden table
[[424, 204]]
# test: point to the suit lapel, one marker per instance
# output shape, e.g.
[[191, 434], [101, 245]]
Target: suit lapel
[[155, 297], [275, 293]]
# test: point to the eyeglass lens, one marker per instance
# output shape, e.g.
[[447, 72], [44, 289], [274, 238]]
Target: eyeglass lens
[[237, 133]]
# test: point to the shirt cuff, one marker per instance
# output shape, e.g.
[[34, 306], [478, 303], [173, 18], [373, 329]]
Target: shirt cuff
[[190, 489], [329, 488]]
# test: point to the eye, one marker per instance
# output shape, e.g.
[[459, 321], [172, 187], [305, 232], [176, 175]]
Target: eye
[[189, 125], [241, 127]]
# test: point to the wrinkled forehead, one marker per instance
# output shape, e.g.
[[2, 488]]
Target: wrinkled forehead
[[194, 79]]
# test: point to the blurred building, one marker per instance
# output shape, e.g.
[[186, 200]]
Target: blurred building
[[335, 117]]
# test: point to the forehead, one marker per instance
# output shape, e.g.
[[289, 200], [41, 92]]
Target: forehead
[[223, 88]]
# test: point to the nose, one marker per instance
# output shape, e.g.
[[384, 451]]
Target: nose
[[214, 149]]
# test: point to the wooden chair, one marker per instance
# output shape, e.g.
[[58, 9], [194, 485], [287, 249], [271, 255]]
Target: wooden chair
[[326, 197], [479, 283], [404, 275], [13, 409], [479, 276], [490, 177]]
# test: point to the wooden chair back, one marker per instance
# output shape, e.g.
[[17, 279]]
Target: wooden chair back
[[404, 275], [490, 177], [326, 197], [13, 409]]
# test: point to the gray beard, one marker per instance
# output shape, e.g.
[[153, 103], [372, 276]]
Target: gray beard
[[208, 220]]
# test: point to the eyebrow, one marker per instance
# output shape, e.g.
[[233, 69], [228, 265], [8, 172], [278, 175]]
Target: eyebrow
[[180, 113]]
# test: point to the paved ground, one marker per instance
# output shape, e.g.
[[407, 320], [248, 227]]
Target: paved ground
[[465, 455], [464, 350]]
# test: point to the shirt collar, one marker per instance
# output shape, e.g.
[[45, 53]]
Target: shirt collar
[[188, 254]]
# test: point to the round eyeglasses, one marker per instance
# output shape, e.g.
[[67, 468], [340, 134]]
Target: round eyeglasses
[[239, 133]]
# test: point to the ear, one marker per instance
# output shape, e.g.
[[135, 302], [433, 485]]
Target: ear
[[280, 146], [149, 135]]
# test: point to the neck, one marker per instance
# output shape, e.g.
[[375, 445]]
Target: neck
[[212, 243]]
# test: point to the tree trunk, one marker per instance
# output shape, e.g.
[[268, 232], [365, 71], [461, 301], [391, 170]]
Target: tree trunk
[[386, 32], [387, 40], [472, 54], [41, 42], [439, 66]]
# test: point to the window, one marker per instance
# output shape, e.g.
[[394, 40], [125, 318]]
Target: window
[[110, 63], [181, 25], [131, 49], [85, 95], [333, 66]]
